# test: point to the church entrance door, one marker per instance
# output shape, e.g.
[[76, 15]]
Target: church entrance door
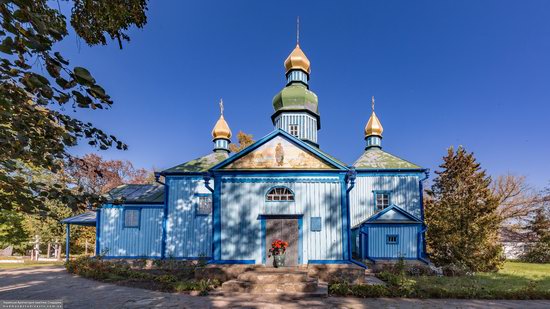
[[286, 230]]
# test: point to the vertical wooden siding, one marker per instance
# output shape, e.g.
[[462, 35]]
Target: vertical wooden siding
[[406, 246], [187, 235], [405, 193], [117, 241], [243, 201]]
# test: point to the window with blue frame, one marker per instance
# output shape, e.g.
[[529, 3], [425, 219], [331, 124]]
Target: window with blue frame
[[204, 205], [132, 217], [279, 194], [392, 239], [381, 199]]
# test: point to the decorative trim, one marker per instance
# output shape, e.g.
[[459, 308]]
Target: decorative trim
[[278, 180], [392, 171]]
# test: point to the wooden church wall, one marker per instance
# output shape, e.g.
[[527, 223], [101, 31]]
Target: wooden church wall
[[188, 234], [404, 192], [123, 242], [244, 205]]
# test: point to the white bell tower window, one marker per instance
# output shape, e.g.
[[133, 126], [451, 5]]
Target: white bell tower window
[[293, 130]]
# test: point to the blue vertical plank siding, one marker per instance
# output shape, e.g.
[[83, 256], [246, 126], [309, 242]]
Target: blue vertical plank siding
[[404, 192], [406, 246], [118, 241], [307, 124], [243, 203], [188, 235]]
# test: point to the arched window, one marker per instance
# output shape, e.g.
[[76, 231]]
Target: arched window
[[280, 194]]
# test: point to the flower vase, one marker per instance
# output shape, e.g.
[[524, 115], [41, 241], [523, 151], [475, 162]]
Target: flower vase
[[279, 260]]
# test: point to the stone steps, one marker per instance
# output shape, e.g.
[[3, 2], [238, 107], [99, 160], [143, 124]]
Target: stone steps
[[289, 282]]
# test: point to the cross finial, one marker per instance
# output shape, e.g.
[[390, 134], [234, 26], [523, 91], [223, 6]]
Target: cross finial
[[298, 30], [221, 107], [372, 103]]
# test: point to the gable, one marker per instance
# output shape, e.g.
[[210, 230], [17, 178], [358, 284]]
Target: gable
[[393, 215], [279, 153]]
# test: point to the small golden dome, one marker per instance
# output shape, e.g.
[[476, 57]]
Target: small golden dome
[[297, 60], [221, 129], [374, 127]]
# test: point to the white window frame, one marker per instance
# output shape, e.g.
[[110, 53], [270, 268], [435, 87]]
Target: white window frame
[[294, 130]]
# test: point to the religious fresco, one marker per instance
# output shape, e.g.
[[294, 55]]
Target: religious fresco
[[278, 153]]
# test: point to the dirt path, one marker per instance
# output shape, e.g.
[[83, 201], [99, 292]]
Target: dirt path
[[54, 283]]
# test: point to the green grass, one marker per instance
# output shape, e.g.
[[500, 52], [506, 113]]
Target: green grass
[[515, 280]]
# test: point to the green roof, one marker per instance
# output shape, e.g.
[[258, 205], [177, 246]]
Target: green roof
[[136, 194], [202, 164], [375, 158], [296, 96]]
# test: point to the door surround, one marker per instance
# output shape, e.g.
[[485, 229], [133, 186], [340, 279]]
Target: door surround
[[263, 232]]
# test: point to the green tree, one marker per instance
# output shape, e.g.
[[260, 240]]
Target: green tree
[[38, 85], [462, 217], [539, 228], [244, 139]]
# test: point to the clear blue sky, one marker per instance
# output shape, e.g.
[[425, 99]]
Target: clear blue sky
[[471, 73]]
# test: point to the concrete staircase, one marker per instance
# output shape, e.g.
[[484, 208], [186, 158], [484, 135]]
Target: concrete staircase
[[280, 281]]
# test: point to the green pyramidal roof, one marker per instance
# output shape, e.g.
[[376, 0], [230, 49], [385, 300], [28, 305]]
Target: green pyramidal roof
[[202, 164], [375, 158]]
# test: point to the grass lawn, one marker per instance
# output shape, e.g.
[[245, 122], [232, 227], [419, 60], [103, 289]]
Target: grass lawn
[[512, 280], [515, 280]]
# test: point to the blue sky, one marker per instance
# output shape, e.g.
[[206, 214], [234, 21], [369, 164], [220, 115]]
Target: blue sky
[[471, 73]]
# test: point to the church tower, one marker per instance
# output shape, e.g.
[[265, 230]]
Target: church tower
[[221, 133], [296, 107], [373, 130]]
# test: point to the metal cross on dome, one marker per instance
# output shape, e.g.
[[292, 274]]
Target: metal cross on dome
[[221, 106], [372, 103]]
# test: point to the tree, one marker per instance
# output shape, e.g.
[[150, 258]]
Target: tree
[[539, 228], [98, 176], [244, 139], [38, 84], [462, 215], [516, 199]]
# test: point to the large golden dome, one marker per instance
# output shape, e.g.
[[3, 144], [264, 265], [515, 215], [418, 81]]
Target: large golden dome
[[297, 60], [221, 129]]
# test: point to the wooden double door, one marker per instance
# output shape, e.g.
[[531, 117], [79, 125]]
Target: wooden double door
[[286, 230]]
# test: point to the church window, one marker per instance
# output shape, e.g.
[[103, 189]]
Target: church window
[[392, 239], [294, 130], [204, 205], [382, 199], [280, 194], [131, 217]]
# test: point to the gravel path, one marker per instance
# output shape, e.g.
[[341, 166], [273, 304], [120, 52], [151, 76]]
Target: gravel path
[[54, 283]]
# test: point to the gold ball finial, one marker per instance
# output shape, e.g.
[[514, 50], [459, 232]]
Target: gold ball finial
[[221, 129], [374, 126]]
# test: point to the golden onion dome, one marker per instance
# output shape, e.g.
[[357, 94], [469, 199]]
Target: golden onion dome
[[374, 126], [297, 60], [221, 129]]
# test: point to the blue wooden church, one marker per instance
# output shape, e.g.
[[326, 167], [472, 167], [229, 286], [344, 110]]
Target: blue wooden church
[[228, 208]]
